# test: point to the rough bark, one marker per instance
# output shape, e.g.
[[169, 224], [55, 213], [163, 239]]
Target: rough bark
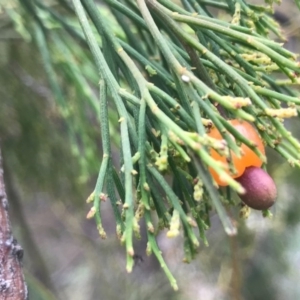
[[12, 283]]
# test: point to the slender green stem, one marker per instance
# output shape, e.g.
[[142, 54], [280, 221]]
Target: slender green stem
[[227, 223], [113, 86], [157, 252], [106, 154], [279, 96], [142, 150], [175, 203], [249, 40], [172, 102]]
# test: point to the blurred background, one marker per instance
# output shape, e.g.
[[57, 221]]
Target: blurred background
[[47, 185]]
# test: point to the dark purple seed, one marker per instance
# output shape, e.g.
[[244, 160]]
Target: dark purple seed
[[261, 191]]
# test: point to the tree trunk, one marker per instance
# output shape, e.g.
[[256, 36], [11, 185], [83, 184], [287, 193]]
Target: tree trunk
[[12, 283]]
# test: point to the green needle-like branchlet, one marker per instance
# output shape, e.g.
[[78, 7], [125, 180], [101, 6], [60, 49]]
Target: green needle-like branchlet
[[168, 71]]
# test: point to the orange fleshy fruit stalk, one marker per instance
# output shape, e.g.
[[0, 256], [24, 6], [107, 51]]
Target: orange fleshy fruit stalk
[[248, 159]]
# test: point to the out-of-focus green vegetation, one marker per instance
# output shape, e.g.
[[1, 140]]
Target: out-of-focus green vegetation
[[48, 181]]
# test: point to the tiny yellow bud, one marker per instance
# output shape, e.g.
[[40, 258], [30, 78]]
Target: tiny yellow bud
[[282, 112], [174, 225], [91, 197], [91, 213]]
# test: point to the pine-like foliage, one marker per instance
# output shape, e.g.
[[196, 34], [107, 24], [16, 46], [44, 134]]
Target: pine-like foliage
[[167, 72]]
